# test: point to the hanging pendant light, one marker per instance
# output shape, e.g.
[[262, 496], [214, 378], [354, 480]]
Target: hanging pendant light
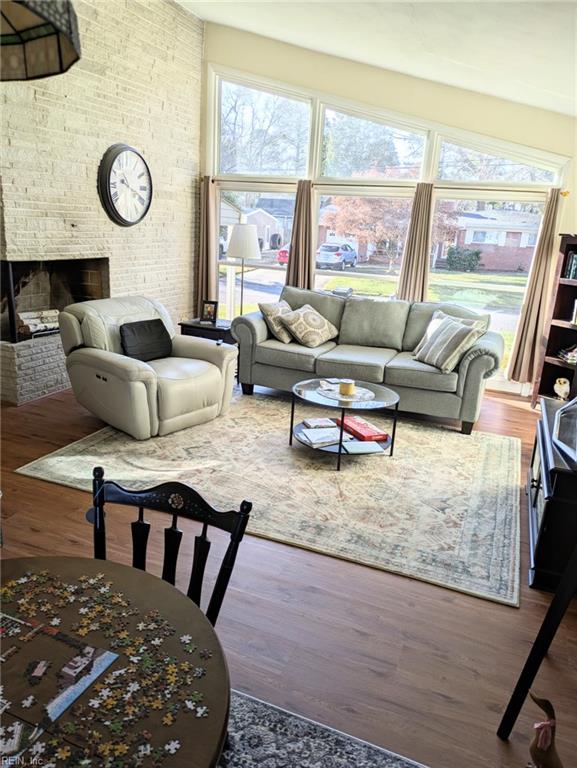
[[39, 38]]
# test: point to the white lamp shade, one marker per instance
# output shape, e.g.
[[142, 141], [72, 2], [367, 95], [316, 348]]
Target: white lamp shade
[[243, 242]]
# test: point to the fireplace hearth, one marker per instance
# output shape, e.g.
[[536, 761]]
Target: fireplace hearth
[[33, 292], [32, 362]]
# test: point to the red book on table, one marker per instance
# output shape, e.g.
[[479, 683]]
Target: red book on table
[[362, 429]]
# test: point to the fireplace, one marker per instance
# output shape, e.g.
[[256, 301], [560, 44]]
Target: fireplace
[[33, 292], [32, 362]]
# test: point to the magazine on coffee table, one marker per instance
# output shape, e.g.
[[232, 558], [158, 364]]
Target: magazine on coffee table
[[318, 438]]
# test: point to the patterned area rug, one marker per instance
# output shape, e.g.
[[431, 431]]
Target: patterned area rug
[[444, 509], [265, 736]]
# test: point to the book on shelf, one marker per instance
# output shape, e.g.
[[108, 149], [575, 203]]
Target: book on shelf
[[319, 438], [574, 317], [319, 423], [366, 446], [363, 429], [571, 266], [569, 355]]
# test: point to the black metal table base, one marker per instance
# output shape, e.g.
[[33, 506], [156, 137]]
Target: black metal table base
[[395, 412]]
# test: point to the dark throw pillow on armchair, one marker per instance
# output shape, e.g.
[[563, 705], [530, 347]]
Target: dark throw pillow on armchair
[[145, 340]]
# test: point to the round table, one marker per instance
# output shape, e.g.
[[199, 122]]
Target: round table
[[107, 664], [382, 399]]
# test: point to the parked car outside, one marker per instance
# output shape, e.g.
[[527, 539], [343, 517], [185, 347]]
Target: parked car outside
[[336, 256], [283, 254]]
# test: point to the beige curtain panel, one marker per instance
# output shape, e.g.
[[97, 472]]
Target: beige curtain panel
[[414, 275], [526, 352], [206, 287], [300, 271]]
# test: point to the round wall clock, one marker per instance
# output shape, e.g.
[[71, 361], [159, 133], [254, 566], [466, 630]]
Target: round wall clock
[[124, 185]]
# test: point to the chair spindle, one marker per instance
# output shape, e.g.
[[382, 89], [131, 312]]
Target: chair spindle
[[172, 539], [201, 550], [98, 505], [140, 531]]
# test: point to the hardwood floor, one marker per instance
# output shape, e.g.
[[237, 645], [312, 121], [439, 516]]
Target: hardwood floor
[[421, 670]]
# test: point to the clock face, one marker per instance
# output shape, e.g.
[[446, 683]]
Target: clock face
[[124, 185]]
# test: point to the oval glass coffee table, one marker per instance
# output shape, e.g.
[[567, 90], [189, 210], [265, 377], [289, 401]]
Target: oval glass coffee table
[[367, 397]]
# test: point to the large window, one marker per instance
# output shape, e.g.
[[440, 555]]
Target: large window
[[354, 147], [364, 164], [488, 273], [262, 133], [360, 243], [458, 163], [272, 214]]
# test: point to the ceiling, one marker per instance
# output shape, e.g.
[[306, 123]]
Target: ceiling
[[524, 52]]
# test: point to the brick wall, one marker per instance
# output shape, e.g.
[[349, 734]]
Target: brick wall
[[138, 82], [32, 369]]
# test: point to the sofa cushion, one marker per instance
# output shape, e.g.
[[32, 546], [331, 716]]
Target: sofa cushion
[[350, 361], [308, 326], [145, 340], [420, 316], [448, 343], [404, 371], [293, 355], [186, 385], [373, 323], [272, 314], [329, 306]]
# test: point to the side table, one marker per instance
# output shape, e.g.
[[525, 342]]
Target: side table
[[219, 332]]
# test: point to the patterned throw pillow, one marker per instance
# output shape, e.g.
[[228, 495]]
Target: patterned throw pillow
[[309, 327], [272, 314], [437, 319], [448, 343]]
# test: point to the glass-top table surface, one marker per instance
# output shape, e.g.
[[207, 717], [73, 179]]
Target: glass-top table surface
[[310, 391]]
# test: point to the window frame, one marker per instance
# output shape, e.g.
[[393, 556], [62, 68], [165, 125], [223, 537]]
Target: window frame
[[283, 92], [518, 154], [435, 133], [361, 114]]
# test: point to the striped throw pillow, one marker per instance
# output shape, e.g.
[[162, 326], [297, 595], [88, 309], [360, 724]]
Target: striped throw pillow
[[448, 343], [437, 319]]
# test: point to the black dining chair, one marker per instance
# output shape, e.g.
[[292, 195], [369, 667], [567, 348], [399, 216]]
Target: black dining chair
[[178, 500]]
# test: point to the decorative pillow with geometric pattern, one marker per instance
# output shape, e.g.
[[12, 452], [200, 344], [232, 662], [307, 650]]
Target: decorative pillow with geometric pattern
[[309, 327], [272, 314], [448, 343]]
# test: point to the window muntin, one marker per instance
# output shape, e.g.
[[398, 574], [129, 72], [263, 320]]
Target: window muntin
[[487, 277], [356, 148], [272, 213], [460, 163], [262, 133], [360, 242]]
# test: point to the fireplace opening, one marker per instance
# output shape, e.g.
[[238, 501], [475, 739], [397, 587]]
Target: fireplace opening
[[34, 292]]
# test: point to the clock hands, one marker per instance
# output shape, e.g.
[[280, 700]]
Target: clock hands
[[134, 192]]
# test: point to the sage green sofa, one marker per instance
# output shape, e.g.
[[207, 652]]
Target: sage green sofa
[[375, 343]]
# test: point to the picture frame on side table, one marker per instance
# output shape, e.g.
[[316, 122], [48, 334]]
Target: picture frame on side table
[[209, 312]]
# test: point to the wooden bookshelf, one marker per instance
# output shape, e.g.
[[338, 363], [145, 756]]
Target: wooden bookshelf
[[560, 331]]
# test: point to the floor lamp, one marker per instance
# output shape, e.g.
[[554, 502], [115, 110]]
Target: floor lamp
[[243, 245]]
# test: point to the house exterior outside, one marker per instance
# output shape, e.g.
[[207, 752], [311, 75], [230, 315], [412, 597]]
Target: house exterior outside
[[506, 239]]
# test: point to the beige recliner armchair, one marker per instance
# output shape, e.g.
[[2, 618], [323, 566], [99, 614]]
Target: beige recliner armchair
[[192, 386]]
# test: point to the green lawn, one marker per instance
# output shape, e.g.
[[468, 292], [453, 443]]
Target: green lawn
[[478, 291]]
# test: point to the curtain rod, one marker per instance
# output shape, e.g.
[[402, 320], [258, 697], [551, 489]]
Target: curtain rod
[[346, 183]]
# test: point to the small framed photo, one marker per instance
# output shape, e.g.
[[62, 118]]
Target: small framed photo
[[209, 312]]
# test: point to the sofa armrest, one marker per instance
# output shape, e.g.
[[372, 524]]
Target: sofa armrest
[[126, 368], [491, 346], [198, 348], [119, 390], [250, 327], [249, 330]]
